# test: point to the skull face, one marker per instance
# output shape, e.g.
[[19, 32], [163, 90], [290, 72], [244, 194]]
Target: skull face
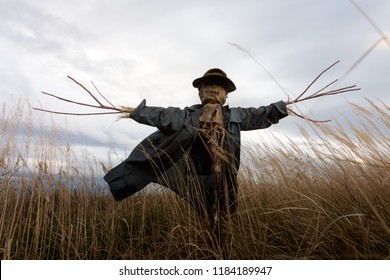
[[212, 92]]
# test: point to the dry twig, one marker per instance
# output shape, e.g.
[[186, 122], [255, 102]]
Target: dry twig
[[123, 110], [300, 98], [319, 93]]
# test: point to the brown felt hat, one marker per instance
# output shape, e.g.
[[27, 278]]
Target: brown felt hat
[[215, 74]]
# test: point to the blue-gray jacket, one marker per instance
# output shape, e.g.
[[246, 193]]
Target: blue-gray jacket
[[162, 157]]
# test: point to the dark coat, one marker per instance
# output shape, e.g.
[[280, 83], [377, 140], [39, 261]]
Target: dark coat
[[163, 157]]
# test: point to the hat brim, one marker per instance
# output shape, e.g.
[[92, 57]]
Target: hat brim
[[230, 86]]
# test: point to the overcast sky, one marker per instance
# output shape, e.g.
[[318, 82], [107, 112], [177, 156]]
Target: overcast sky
[[148, 49]]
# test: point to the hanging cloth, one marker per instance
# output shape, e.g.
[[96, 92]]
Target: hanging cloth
[[213, 134]]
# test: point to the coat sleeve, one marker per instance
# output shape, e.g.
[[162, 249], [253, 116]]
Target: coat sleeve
[[261, 117], [168, 120]]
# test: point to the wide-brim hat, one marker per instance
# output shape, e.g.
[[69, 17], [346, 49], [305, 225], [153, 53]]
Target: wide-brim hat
[[215, 74]]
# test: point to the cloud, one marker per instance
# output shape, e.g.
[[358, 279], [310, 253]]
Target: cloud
[[154, 49]]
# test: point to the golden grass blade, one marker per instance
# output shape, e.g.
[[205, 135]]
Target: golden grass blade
[[324, 197]]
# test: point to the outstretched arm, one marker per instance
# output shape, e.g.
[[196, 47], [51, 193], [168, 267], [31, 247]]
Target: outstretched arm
[[168, 120], [261, 117]]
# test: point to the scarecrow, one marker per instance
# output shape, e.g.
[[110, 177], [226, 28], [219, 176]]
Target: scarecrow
[[196, 150], [201, 141]]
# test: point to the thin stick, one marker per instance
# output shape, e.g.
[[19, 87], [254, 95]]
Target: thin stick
[[316, 79], [306, 118], [360, 59], [102, 95], [75, 114], [333, 92], [258, 63], [74, 102], [373, 24], [340, 90], [325, 87], [90, 93], [328, 93]]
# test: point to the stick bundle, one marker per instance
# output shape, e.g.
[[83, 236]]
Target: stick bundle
[[319, 93], [111, 109]]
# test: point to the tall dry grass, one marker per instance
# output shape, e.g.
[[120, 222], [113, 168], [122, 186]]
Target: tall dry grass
[[328, 199]]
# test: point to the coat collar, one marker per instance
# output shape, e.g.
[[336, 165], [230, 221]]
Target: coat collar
[[197, 107]]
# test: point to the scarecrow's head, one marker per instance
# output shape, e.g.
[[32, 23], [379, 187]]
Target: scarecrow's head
[[214, 86]]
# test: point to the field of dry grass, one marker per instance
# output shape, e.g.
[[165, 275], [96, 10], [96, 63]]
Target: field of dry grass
[[329, 199]]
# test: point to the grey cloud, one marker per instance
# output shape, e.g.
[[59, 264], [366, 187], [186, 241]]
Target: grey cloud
[[153, 49], [33, 29]]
